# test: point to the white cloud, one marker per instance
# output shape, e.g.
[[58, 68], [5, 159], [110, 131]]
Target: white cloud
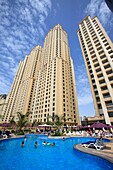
[[22, 27], [100, 9]]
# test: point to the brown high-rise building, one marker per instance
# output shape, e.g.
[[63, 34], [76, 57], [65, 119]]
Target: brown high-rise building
[[45, 83], [97, 50]]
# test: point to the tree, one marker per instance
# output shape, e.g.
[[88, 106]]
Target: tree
[[22, 120], [34, 123], [59, 120], [85, 119], [54, 119], [12, 121]]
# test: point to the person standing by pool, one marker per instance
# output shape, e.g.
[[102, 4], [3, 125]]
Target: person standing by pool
[[101, 140]]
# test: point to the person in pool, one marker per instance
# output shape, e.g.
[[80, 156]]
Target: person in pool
[[52, 144], [22, 144], [48, 144], [35, 145], [63, 138], [44, 143]]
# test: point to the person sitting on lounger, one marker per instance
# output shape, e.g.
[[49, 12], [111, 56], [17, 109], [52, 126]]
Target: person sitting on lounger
[[97, 145], [88, 142]]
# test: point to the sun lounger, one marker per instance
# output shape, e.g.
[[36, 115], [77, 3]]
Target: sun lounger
[[78, 133], [68, 134], [98, 144], [4, 136]]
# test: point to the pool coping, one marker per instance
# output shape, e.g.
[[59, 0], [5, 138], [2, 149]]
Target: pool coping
[[93, 152]]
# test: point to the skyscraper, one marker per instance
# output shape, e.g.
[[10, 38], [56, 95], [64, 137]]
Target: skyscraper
[[2, 103], [97, 50], [109, 4], [45, 82], [20, 95]]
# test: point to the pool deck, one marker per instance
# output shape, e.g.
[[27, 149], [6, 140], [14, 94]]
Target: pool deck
[[106, 153]]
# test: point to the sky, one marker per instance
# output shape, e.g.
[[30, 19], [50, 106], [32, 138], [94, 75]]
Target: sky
[[25, 23]]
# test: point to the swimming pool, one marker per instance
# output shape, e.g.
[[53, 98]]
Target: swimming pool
[[62, 156]]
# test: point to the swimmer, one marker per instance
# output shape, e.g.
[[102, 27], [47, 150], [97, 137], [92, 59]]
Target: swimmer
[[63, 138], [48, 144], [44, 143], [53, 144], [35, 145], [22, 144]]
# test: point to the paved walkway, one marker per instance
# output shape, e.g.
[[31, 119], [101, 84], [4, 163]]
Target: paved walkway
[[106, 153]]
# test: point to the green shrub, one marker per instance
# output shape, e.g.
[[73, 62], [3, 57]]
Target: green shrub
[[57, 134], [21, 133]]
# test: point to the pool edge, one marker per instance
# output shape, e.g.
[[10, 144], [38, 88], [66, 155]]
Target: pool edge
[[93, 152]]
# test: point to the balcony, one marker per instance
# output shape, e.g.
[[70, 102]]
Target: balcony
[[110, 108], [100, 52], [98, 70], [100, 78]]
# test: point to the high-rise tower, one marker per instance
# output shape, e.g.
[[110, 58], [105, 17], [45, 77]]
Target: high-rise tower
[[20, 95], [47, 82], [97, 50]]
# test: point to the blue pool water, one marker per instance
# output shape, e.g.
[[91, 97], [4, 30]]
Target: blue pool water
[[60, 157]]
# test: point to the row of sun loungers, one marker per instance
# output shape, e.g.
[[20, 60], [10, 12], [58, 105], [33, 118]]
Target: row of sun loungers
[[84, 133], [5, 136]]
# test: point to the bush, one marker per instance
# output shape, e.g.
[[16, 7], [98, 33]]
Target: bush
[[21, 133], [57, 134]]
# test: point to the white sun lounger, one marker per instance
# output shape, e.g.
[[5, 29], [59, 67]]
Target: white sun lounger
[[96, 146]]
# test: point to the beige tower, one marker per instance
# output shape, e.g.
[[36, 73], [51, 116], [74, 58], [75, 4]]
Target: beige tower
[[2, 105], [45, 83], [97, 50], [55, 88], [20, 95]]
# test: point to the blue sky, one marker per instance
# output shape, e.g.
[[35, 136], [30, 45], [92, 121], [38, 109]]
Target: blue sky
[[25, 23]]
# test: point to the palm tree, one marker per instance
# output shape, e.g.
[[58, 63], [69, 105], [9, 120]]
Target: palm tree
[[54, 119], [12, 121], [34, 123], [22, 119], [48, 121], [57, 120]]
